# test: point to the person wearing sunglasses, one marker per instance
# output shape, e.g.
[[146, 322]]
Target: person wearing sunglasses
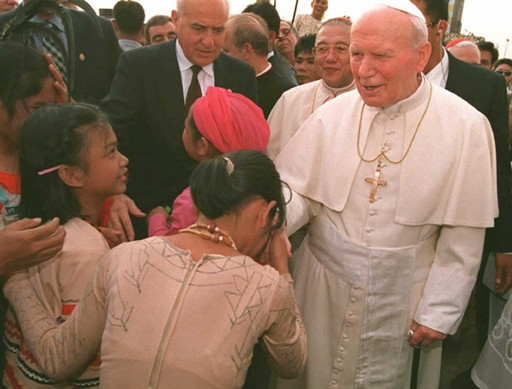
[[503, 66]]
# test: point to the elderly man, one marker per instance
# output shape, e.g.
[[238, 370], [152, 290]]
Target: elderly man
[[151, 93], [247, 39], [465, 50], [286, 41], [485, 91], [158, 29], [332, 63], [398, 197]]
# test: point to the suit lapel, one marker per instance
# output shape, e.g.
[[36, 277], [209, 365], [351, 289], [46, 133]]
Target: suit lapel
[[459, 81], [220, 71], [169, 83]]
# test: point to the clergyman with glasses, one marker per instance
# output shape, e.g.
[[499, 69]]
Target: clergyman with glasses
[[332, 64]]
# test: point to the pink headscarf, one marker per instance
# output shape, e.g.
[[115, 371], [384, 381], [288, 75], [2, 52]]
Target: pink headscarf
[[230, 121]]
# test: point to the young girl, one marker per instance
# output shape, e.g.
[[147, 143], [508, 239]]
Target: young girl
[[69, 165], [27, 82], [185, 311], [218, 122]]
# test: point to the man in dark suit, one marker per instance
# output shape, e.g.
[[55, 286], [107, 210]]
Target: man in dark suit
[[269, 13], [247, 39], [88, 42], [486, 92], [146, 103]]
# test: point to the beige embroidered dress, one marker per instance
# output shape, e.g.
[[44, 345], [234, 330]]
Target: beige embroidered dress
[[366, 269], [59, 284], [166, 321]]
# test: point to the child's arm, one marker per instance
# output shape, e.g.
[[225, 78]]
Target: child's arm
[[62, 350], [184, 212], [158, 222]]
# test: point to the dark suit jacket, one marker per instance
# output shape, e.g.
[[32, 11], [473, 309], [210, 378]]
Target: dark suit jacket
[[271, 85], [485, 90], [92, 58], [146, 109], [281, 66]]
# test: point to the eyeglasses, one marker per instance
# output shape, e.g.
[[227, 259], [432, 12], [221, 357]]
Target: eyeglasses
[[285, 32], [432, 24], [338, 49], [504, 73]]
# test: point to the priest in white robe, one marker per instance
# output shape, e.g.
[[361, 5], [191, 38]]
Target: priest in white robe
[[398, 183], [332, 64]]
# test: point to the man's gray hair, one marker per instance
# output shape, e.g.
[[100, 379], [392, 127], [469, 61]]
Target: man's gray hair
[[249, 28]]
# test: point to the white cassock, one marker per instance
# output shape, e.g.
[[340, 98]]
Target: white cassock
[[294, 107], [367, 269]]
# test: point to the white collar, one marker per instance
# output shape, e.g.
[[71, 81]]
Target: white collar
[[184, 64], [438, 75]]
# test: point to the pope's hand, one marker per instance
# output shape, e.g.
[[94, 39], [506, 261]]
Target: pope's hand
[[422, 336]]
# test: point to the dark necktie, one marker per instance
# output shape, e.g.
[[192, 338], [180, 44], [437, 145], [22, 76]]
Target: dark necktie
[[194, 90], [55, 50]]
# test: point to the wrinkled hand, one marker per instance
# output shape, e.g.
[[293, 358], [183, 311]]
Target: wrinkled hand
[[280, 250], [423, 336], [60, 86], [503, 280], [119, 216], [26, 243]]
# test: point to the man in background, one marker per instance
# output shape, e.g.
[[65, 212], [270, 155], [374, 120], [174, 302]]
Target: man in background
[[7, 5], [286, 41], [305, 59], [488, 54], [83, 45], [465, 50], [129, 23], [268, 12], [247, 39], [158, 29]]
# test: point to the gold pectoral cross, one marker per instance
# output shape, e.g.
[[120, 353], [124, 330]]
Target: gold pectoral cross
[[375, 181]]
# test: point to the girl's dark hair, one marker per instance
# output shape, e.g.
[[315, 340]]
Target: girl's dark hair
[[51, 136], [196, 134], [219, 188], [22, 73]]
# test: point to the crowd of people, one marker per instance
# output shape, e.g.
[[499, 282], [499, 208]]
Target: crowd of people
[[210, 200]]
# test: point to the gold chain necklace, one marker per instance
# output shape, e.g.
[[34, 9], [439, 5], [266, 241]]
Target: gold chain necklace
[[383, 151], [211, 232], [335, 94]]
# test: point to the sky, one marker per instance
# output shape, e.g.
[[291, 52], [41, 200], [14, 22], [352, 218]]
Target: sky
[[491, 19]]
